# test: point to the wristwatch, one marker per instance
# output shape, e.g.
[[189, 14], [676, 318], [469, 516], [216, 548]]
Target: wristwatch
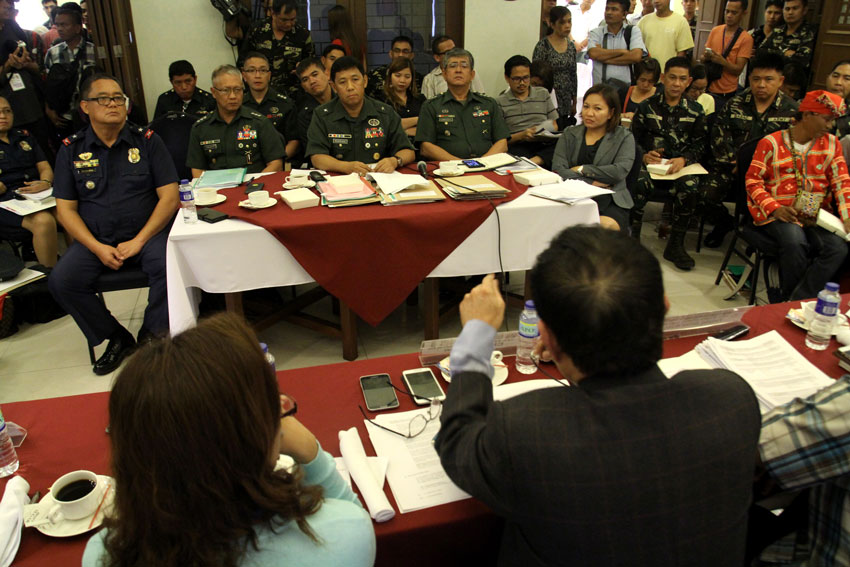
[[400, 161]]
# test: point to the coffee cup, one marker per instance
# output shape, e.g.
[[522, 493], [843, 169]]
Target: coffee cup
[[295, 181], [76, 495], [258, 198], [207, 194], [449, 167], [496, 358]]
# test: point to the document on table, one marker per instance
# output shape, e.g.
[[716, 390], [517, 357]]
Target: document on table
[[693, 169], [775, 370], [415, 474], [568, 191], [394, 182]]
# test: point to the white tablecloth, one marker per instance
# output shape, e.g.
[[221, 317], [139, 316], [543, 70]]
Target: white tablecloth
[[233, 255]]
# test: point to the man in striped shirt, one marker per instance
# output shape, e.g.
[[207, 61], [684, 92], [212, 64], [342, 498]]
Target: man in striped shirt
[[794, 173], [526, 109]]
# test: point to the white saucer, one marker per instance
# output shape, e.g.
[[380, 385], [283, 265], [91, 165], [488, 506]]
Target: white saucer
[[441, 174], [500, 373], [215, 201], [796, 317], [247, 204], [68, 528]]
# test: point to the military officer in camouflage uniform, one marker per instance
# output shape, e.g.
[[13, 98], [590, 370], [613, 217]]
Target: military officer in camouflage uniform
[[838, 82], [402, 46], [354, 133], [670, 126], [283, 42], [795, 39], [460, 123], [758, 111], [275, 106], [233, 136], [185, 96]]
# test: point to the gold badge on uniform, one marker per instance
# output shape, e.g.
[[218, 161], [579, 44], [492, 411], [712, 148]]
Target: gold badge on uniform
[[25, 146], [133, 155], [89, 184], [274, 110], [374, 122], [376, 156], [85, 156]]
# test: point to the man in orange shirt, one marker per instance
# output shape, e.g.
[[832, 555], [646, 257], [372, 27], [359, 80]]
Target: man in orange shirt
[[730, 47], [794, 173]]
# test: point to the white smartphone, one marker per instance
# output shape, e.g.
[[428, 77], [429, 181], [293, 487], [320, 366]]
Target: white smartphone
[[378, 392], [423, 385]]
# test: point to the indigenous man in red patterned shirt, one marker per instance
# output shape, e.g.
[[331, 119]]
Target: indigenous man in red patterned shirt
[[794, 173]]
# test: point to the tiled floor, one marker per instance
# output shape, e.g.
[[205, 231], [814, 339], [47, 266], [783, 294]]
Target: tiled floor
[[50, 360]]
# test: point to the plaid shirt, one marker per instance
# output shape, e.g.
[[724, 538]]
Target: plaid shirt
[[772, 183], [61, 54], [807, 443]]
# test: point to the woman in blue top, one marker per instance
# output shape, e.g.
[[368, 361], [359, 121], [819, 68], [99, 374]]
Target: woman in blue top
[[196, 426]]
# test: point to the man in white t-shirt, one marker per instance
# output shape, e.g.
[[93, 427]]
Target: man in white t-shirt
[[665, 33], [434, 84]]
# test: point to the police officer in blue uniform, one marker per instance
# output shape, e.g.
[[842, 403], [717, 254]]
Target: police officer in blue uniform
[[116, 193]]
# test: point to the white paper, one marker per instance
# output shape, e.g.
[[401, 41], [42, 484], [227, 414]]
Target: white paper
[[355, 460], [775, 370], [506, 391], [24, 208], [23, 277], [415, 474], [689, 361], [37, 197], [394, 182], [693, 169], [568, 191], [378, 466], [16, 82]]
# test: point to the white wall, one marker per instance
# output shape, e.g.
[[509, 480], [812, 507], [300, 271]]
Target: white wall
[[168, 30], [494, 30]]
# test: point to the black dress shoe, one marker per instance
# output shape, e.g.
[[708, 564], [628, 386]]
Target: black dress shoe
[[120, 345]]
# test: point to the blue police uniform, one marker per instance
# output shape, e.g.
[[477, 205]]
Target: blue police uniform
[[115, 190], [18, 161]]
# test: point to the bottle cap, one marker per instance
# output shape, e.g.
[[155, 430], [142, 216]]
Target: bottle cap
[[264, 347], [529, 304], [832, 286]]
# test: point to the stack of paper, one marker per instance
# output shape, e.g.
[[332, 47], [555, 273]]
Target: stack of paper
[[346, 191], [471, 187], [774, 369], [220, 178], [693, 169], [568, 191], [37, 197], [27, 207], [522, 164], [832, 223]]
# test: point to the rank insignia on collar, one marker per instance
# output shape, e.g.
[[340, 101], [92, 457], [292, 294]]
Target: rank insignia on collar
[[374, 122], [274, 110], [25, 146], [85, 156], [133, 155]]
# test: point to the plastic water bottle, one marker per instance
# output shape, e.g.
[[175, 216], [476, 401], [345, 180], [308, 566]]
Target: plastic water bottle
[[269, 356], [187, 202], [528, 334], [826, 312], [8, 457]]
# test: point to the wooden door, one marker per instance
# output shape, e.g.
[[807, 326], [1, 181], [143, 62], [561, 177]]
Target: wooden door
[[111, 24], [833, 42], [710, 15]]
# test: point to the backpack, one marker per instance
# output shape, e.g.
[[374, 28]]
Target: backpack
[[61, 82]]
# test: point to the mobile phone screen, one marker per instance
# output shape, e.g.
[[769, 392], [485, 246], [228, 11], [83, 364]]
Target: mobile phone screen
[[423, 384], [472, 163], [378, 392]]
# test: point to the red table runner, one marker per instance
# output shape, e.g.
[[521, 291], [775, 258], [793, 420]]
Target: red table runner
[[370, 256]]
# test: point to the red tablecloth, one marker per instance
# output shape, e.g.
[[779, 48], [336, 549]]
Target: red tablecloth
[[68, 433], [371, 257]]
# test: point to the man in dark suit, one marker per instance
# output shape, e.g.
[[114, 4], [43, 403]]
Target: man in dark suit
[[623, 468]]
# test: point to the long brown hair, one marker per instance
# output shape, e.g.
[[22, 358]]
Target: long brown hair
[[399, 64], [193, 421], [341, 27]]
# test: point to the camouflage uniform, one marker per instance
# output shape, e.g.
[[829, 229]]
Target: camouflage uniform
[[842, 127], [736, 123], [802, 43], [283, 54], [378, 75]]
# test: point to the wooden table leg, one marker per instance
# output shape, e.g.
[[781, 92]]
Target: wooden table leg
[[431, 308], [233, 303], [348, 325]]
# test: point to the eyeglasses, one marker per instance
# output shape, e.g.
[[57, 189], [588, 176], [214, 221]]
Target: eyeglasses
[[230, 90], [288, 406], [523, 79], [105, 100], [697, 90], [416, 425], [456, 64], [253, 71], [402, 51]]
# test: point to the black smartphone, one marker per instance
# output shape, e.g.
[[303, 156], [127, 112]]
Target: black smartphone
[[317, 177], [253, 186], [211, 215], [378, 392], [733, 333], [472, 163]]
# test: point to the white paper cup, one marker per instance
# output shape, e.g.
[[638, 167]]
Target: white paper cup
[[206, 194], [258, 198], [79, 508]]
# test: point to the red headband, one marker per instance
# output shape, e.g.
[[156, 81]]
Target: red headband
[[823, 102]]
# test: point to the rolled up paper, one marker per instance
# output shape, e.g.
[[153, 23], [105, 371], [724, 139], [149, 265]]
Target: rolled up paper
[[354, 456], [12, 518]]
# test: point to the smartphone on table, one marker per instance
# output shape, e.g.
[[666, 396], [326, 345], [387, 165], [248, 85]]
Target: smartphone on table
[[378, 392], [471, 163], [423, 385]]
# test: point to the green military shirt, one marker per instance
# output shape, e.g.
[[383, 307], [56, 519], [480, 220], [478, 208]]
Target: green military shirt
[[739, 121], [679, 131], [802, 43], [278, 108], [464, 129], [375, 134], [201, 103], [283, 54], [248, 141]]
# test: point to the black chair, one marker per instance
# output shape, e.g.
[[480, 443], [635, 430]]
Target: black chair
[[125, 278], [759, 249], [174, 130], [18, 239]]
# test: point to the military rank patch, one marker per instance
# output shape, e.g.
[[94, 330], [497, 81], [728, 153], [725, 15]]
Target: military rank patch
[[480, 113], [148, 134], [374, 132]]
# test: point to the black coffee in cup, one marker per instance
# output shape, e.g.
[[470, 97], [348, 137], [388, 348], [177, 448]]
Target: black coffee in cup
[[75, 490]]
